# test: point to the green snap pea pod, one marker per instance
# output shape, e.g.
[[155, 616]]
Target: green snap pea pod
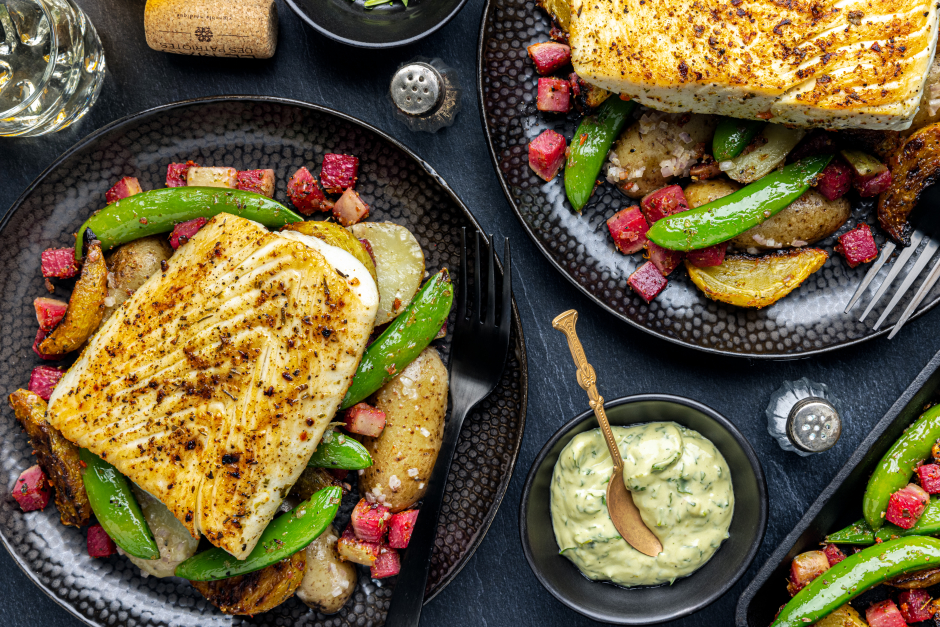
[[732, 136], [856, 574], [730, 216], [283, 537], [896, 467], [340, 451], [590, 145], [404, 339], [159, 210], [861, 533], [857, 533], [116, 508]]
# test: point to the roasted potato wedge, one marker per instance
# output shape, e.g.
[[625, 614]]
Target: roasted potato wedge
[[704, 192], [845, 616], [328, 580], [929, 111], [810, 218], [559, 10], [130, 266], [399, 265], [312, 480], [414, 403], [86, 307], [335, 235], [766, 152], [914, 167], [757, 281], [173, 539], [57, 457], [256, 592], [916, 580], [639, 153]]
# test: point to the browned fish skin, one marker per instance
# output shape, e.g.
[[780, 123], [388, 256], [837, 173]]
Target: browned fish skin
[[914, 167], [57, 457], [825, 63], [86, 307], [256, 592], [211, 386]]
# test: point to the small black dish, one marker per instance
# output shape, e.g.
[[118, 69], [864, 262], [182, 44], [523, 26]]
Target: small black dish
[[384, 26], [609, 603]]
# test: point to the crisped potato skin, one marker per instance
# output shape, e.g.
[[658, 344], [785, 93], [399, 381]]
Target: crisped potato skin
[[845, 616], [131, 265], [86, 307], [256, 592], [328, 581], [808, 219], [916, 580], [914, 167], [704, 192], [57, 457], [414, 400]]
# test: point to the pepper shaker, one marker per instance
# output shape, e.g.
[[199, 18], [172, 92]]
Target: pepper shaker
[[426, 94], [803, 417]]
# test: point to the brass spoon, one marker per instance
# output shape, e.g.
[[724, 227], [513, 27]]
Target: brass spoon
[[620, 506]]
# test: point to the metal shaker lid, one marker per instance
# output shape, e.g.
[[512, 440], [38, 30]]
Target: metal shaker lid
[[814, 425], [417, 88]]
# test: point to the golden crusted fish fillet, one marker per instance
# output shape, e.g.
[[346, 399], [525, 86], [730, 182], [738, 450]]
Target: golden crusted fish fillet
[[821, 63], [212, 385]]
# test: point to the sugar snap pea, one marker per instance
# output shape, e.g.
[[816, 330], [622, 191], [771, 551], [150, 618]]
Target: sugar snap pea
[[896, 467], [116, 508], [861, 533], [732, 136], [727, 217], [340, 451], [283, 537], [159, 210], [856, 574]]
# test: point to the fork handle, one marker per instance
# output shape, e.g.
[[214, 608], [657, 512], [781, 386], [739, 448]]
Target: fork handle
[[405, 608]]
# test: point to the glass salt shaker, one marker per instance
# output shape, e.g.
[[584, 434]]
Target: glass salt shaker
[[426, 94], [803, 417]]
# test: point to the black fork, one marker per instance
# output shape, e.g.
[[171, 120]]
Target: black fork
[[478, 353]]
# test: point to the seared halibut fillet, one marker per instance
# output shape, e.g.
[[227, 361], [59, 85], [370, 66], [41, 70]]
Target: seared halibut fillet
[[212, 385], [825, 63]]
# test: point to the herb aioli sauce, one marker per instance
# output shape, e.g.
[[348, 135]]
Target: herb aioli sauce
[[680, 483]]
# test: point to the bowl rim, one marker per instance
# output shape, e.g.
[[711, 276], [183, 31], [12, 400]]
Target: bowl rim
[[397, 43], [742, 441]]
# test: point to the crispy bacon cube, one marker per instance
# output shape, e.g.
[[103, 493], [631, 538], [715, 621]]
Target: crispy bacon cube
[[858, 246], [707, 257], [834, 554], [929, 475], [915, 606], [401, 527], [868, 188], [628, 228], [647, 281], [304, 191], [369, 520], [364, 419], [554, 95], [664, 259], [806, 567], [49, 311], [176, 173], [31, 489], [906, 505], [387, 564], [884, 614], [339, 172], [59, 263], [835, 180], [663, 203], [184, 231], [549, 56], [127, 186], [352, 549], [257, 181], [350, 208], [547, 154], [43, 380], [100, 543]]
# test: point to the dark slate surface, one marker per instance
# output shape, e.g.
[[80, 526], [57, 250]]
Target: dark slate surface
[[496, 588]]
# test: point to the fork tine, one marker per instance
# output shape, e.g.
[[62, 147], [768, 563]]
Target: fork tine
[[477, 282], [886, 253], [505, 316], [462, 288], [925, 288], [899, 263], [491, 285], [922, 261]]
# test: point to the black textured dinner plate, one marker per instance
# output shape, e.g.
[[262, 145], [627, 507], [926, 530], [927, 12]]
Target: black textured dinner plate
[[242, 132], [384, 26], [809, 320]]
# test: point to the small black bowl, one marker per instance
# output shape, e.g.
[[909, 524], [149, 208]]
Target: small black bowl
[[384, 26], [609, 603]]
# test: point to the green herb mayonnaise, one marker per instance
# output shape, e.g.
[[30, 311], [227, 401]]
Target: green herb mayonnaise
[[680, 483]]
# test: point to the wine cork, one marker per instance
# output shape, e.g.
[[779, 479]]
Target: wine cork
[[212, 28]]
